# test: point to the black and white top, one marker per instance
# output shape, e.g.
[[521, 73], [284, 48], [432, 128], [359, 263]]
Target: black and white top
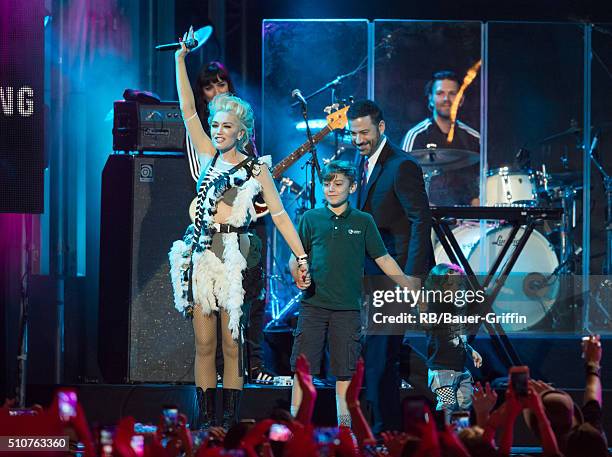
[[216, 281], [194, 162], [457, 187]]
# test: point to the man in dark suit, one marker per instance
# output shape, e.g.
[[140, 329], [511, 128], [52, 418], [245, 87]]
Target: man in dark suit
[[393, 192]]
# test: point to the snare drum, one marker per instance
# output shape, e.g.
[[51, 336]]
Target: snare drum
[[507, 187], [528, 290]]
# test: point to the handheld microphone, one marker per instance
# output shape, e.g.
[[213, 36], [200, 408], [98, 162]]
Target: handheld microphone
[[296, 93], [200, 37], [189, 44]]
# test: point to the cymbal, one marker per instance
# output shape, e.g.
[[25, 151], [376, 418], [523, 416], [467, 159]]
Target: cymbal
[[575, 131], [444, 159], [568, 132], [564, 179]]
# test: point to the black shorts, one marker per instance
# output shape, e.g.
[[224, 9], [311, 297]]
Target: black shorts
[[342, 329]]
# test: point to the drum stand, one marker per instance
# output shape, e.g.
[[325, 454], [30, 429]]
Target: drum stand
[[427, 177], [608, 184], [278, 284], [607, 179], [568, 225], [605, 284]]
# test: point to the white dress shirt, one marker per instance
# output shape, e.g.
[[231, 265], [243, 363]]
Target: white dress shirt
[[374, 157]]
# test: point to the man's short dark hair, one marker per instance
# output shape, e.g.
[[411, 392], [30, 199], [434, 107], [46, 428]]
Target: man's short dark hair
[[439, 76], [340, 167], [362, 108]]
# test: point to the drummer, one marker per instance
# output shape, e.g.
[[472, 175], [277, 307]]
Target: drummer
[[454, 187]]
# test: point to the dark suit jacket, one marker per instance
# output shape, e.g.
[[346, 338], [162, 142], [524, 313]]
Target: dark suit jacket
[[395, 196]]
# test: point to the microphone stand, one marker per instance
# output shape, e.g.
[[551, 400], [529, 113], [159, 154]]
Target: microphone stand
[[24, 321], [338, 79], [607, 179], [314, 162]]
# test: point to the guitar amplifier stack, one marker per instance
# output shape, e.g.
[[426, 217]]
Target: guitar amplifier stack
[[145, 201], [142, 338], [148, 126]]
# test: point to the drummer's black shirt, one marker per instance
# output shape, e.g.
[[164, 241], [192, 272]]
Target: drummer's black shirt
[[456, 187]]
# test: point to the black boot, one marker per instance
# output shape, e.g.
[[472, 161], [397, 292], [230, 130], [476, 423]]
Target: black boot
[[206, 408], [231, 406]]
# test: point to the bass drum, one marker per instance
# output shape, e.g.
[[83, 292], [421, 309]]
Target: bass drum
[[527, 291]]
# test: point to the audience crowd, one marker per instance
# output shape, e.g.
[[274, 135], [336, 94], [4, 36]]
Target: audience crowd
[[562, 427]]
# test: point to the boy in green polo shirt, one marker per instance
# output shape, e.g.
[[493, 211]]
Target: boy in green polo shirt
[[336, 238]]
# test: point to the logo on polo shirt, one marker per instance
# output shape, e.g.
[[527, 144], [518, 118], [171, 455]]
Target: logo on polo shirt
[[354, 232]]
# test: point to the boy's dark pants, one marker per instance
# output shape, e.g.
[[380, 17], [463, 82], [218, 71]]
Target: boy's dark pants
[[341, 329]]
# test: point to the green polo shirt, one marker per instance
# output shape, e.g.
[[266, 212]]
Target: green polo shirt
[[336, 248]]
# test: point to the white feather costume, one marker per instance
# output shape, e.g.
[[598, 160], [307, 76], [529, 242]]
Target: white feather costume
[[215, 282]]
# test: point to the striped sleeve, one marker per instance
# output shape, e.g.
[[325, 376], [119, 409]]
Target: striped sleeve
[[194, 159], [408, 141], [469, 129]]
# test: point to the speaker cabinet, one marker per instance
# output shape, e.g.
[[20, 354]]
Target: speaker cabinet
[[142, 338]]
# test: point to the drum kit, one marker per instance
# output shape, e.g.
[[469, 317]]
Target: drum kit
[[534, 285]]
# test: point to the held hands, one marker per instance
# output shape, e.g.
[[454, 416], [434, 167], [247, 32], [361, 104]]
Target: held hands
[[302, 277], [181, 53], [410, 282]]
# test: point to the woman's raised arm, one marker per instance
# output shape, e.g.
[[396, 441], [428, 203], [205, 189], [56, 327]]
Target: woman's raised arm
[[201, 141]]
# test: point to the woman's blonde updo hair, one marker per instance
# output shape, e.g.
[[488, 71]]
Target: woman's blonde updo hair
[[240, 108]]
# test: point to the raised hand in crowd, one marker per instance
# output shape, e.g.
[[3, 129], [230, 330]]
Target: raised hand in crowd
[[483, 401], [539, 386], [395, 442], [591, 353], [503, 419], [256, 436], [361, 428], [534, 403], [75, 423], [309, 393], [180, 442]]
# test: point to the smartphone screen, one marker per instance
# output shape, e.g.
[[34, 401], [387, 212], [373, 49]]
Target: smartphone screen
[[279, 432], [22, 412], [105, 441], [67, 403], [519, 379], [460, 419], [325, 435], [170, 414], [137, 445]]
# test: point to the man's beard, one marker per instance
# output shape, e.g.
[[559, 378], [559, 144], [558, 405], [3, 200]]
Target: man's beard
[[444, 115], [374, 144]]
